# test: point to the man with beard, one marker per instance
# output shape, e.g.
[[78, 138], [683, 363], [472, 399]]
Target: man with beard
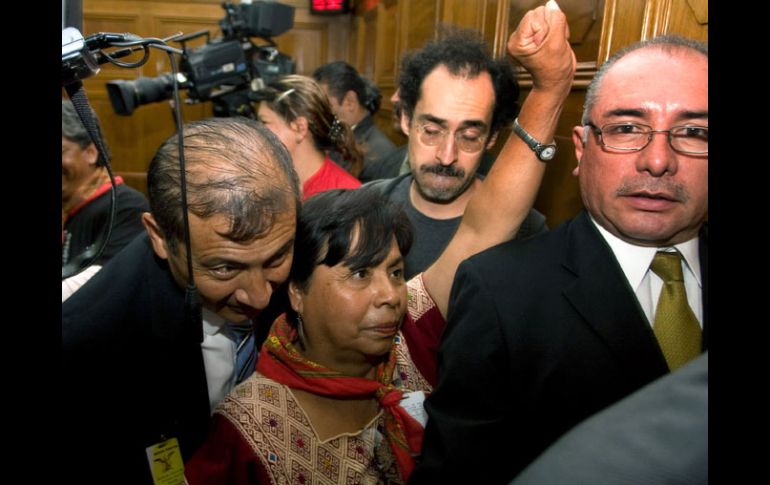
[[455, 98]]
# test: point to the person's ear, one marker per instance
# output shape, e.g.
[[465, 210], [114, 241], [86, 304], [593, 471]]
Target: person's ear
[[579, 139], [157, 239], [350, 100], [296, 297], [300, 127], [405, 122], [91, 154]]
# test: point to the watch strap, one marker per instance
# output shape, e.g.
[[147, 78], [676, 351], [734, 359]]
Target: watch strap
[[533, 144]]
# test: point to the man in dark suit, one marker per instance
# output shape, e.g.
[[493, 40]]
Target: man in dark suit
[[659, 434], [546, 332], [139, 370]]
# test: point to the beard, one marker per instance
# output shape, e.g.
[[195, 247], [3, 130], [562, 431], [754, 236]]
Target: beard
[[445, 192]]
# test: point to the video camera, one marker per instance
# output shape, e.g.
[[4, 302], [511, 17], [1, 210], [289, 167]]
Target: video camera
[[223, 70]]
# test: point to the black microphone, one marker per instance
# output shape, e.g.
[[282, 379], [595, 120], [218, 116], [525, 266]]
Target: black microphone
[[101, 58], [106, 39]]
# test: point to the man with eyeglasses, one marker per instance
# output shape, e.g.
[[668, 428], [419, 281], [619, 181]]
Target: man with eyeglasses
[[455, 98], [546, 332]]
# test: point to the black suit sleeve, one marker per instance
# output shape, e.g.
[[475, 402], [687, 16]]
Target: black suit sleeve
[[468, 409]]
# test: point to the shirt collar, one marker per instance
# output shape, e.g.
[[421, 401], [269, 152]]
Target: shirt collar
[[635, 260], [212, 323]]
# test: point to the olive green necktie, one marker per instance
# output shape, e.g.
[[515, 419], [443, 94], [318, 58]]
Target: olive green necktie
[[676, 328]]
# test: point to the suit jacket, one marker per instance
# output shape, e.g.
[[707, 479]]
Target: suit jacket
[[541, 334], [659, 434], [132, 370]]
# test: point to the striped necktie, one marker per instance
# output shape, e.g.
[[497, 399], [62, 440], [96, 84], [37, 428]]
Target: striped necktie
[[675, 326], [246, 350]]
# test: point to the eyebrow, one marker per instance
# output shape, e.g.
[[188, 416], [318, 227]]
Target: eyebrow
[[396, 262], [638, 113], [443, 123], [281, 252], [432, 119], [694, 115]]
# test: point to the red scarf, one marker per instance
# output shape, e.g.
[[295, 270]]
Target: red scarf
[[281, 361]]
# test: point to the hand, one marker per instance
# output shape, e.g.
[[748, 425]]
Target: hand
[[541, 44]]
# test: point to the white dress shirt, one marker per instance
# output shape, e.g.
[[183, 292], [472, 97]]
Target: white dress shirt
[[219, 353], [73, 283], [635, 262]]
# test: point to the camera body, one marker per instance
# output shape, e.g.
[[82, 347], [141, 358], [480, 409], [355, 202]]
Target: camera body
[[223, 70]]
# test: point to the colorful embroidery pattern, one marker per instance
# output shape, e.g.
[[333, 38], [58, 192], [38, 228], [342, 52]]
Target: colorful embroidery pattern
[[278, 431]]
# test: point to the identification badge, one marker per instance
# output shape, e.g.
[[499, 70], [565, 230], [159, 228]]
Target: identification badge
[[165, 461], [412, 402]]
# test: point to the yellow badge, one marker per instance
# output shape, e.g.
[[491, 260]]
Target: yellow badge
[[166, 463]]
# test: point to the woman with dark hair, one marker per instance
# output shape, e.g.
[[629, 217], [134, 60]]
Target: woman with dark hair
[[298, 112], [340, 381], [355, 100]]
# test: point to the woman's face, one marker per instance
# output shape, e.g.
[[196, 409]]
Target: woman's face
[[275, 123], [351, 315]]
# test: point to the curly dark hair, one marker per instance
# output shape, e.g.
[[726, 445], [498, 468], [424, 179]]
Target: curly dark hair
[[463, 53]]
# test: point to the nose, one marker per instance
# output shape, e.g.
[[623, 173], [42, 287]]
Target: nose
[[387, 290], [658, 157], [446, 152], [254, 291]]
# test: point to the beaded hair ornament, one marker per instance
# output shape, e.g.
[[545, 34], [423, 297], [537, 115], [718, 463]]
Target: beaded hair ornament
[[335, 132]]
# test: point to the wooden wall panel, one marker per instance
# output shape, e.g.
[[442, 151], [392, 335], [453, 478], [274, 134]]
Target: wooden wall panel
[[389, 44], [358, 39], [387, 55], [685, 17], [463, 14], [370, 45], [627, 21], [417, 23], [309, 44], [623, 24]]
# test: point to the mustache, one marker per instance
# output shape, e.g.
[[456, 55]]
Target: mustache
[[445, 170], [667, 188]]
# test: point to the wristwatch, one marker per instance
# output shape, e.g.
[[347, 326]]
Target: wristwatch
[[543, 152]]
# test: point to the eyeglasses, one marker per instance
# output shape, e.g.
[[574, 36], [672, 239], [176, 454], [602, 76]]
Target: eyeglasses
[[634, 137], [468, 140]]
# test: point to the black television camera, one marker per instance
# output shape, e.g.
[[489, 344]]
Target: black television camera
[[223, 70]]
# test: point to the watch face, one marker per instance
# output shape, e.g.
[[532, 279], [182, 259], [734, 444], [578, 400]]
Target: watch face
[[548, 152]]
